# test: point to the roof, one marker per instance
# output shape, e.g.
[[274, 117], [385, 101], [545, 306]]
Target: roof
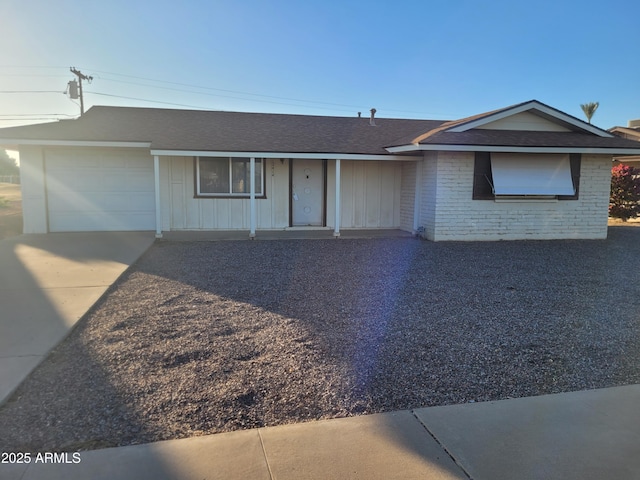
[[219, 131], [167, 129], [464, 133], [632, 133]]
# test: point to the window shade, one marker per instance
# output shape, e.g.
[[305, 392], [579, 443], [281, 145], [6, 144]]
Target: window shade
[[531, 174]]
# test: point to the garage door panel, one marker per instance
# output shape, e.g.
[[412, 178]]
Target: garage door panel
[[100, 191], [100, 221], [69, 201], [140, 181], [143, 201]]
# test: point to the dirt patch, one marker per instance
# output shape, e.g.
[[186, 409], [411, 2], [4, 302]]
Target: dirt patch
[[616, 222], [10, 210]]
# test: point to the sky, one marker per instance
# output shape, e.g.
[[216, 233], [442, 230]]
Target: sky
[[408, 59]]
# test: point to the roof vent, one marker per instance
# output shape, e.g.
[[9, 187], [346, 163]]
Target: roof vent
[[359, 114], [372, 120]]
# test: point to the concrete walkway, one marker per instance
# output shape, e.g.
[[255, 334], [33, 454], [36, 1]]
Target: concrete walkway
[[294, 233], [47, 283], [589, 435]]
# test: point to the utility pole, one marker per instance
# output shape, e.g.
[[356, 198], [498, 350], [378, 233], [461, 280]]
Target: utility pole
[[81, 77]]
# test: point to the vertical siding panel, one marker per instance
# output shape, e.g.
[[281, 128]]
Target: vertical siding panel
[[388, 191], [206, 213], [331, 193], [346, 193], [192, 204], [177, 213], [359, 200], [222, 214], [236, 213], [177, 200], [279, 194], [165, 192], [372, 189]]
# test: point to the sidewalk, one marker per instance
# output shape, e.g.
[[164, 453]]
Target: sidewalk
[[47, 283], [582, 436]]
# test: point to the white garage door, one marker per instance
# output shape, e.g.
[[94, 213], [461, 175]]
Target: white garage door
[[99, 191]]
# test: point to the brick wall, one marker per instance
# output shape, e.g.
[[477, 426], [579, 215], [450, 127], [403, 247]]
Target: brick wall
[[407, 195], [458, 217], [429, 194]]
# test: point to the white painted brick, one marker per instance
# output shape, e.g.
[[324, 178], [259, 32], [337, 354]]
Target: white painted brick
[[449, 213]]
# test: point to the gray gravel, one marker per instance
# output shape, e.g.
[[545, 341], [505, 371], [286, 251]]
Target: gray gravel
[[200, 338]]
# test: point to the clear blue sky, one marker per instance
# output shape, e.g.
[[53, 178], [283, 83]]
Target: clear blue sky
[[414, 59]]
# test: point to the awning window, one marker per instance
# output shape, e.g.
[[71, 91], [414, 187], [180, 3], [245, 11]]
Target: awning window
[[531, 174]]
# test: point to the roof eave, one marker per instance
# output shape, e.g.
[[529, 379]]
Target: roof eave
[[300, 155], [506, 148], [532, 105]]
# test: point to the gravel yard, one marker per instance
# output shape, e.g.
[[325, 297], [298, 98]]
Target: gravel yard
[[208, 337]]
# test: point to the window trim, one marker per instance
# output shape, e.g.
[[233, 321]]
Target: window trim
[[483, 181], [196, 179]]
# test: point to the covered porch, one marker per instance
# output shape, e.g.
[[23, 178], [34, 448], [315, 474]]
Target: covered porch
[[355, 192]]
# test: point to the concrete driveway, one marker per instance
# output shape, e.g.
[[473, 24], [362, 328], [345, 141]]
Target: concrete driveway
[[47, 283]]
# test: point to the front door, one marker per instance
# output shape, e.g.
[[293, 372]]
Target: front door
[[307, 192]]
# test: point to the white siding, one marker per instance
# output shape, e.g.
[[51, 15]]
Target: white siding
[[458, 217], [182, 211], [525, 121], [33, 187], [370, 197], [370, 194], [407, 195], [429, 194]]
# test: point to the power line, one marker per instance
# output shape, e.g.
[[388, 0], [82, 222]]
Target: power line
[[301, 102], [145, 100], [30, 91], [23, 119], [32, 114], [200, 107], [30, 75], [240, 93], [216, 89], [29, 66]]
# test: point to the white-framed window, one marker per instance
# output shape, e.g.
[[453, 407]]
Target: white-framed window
[[228, 177]]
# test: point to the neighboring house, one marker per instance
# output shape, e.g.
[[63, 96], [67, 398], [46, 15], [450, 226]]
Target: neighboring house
[[527, 171], [631, 132]]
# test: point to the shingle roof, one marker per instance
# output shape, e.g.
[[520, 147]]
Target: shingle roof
[[167, 129], [515, 138], [195, 130]]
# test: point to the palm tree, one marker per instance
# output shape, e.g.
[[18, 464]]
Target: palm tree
[[589, 109]]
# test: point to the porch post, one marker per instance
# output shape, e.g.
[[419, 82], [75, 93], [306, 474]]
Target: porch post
[[336, 229], [252, 198], [156, 185], [418, 197]]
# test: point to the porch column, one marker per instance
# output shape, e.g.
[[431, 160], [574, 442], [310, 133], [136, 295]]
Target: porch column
[[156, 185], [336, 229], [418, 197], [252, 197]]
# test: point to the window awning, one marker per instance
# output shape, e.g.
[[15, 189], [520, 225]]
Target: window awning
[[531, 174]]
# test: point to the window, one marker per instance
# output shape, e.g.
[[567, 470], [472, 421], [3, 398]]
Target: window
[[526, 176], [228, 177]]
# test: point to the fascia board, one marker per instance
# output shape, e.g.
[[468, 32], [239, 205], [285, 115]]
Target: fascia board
[[532, 106], [493, 148], [311, 156]]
